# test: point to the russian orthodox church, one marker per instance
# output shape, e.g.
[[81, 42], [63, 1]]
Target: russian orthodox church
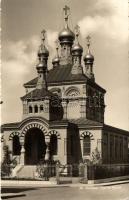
[[63, 110]]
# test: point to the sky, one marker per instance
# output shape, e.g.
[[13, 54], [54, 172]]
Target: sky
[[105, 21]]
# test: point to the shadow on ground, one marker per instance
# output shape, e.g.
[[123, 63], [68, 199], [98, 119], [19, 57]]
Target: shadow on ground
[[15, 189]]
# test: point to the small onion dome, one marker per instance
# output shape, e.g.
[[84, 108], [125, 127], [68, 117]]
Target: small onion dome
[[55, 60], [77, 49], [66, 36], [41, 67], [43, 51], [89, 58]]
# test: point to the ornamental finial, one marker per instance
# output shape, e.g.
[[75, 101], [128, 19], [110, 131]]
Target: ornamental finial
[[57, 46], [88, 38], [77, 30], [66, 10], [43, 32]]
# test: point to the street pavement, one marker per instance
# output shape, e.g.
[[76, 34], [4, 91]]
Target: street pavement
[[110, 192]]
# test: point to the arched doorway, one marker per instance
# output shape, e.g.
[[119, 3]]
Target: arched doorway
[[35, 147]]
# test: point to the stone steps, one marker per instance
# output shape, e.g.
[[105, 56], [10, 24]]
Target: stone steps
[[27, 171]]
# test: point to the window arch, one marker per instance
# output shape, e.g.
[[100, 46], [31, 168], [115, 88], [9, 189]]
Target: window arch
[[16, 145], [53, 144], [86, 145], [36, 109], [30, 109]]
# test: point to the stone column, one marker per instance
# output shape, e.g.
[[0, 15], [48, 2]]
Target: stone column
[[22, 156], [83, 108], [47, 141], [85, 173], [64, 105]]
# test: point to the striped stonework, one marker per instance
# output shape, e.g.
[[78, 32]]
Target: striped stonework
[[13, 134], [54, 132], [33, 125], [86, 133]]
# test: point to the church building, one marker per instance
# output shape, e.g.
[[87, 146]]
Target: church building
[[63, 110]]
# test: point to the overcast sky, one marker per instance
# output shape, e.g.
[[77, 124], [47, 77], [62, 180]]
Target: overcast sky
[[107, 23]]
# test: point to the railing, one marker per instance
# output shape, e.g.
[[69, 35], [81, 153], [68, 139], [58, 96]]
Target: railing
[[107, 171]]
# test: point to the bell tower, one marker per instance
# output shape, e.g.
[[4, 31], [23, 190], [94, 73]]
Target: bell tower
[[66, 38]]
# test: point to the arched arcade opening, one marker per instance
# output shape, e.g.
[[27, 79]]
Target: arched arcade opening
[[35, 147]]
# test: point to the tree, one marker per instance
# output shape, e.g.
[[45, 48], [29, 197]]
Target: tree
[[96, 157], [6, 164]]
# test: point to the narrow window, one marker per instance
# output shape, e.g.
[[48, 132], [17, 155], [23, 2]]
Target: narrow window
[[36, 109], [41, 108], [86, 145], [53, 145], [30, 109], [16, 145]]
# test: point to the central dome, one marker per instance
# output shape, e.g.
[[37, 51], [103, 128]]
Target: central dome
[[66, 36]]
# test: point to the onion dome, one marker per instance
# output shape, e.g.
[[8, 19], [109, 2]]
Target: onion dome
[[88, 58], [55, 60], [66, 35], [43, 51], [77, 48]]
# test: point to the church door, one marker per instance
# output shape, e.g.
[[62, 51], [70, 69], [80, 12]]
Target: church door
[[35, 147]]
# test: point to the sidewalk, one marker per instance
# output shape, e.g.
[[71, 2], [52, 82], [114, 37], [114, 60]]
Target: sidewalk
[[46, 184], [5, 183]]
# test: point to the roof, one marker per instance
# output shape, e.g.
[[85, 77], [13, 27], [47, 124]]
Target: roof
[[62, 74], [10, 126], [37, 94], [86, 122], [115, 129]]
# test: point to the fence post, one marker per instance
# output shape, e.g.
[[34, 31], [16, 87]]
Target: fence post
[[57, 173], [85, 173]]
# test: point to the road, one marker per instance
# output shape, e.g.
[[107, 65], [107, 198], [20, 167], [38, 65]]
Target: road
[[115, 192]]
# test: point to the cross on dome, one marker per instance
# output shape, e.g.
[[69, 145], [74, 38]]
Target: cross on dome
[[66, 12], [88, 38], [43, 32], [77, 30], [57, 46]]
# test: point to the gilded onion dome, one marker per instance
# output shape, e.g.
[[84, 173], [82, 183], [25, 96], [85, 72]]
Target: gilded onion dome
[[66, 35]]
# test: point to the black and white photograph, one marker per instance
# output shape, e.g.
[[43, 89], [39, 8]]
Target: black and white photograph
[[64, 100]]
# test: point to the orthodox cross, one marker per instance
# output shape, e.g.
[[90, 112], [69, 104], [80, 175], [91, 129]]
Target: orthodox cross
[[57, 46], [66, 14], [66, 11], [77, 31], [88, 41], [43, 35]]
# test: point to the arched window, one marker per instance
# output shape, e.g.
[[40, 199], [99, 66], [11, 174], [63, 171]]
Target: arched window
[[30, 109], [16, 145], [36, 109], [86, 145], [53, 145], [41, 108]]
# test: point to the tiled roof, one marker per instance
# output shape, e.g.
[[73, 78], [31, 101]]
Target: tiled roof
[[10, 125], [37, 94], [115, 129], [83, 121], [60, 74]]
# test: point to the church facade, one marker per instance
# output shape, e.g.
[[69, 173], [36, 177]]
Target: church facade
[[63, 110]]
